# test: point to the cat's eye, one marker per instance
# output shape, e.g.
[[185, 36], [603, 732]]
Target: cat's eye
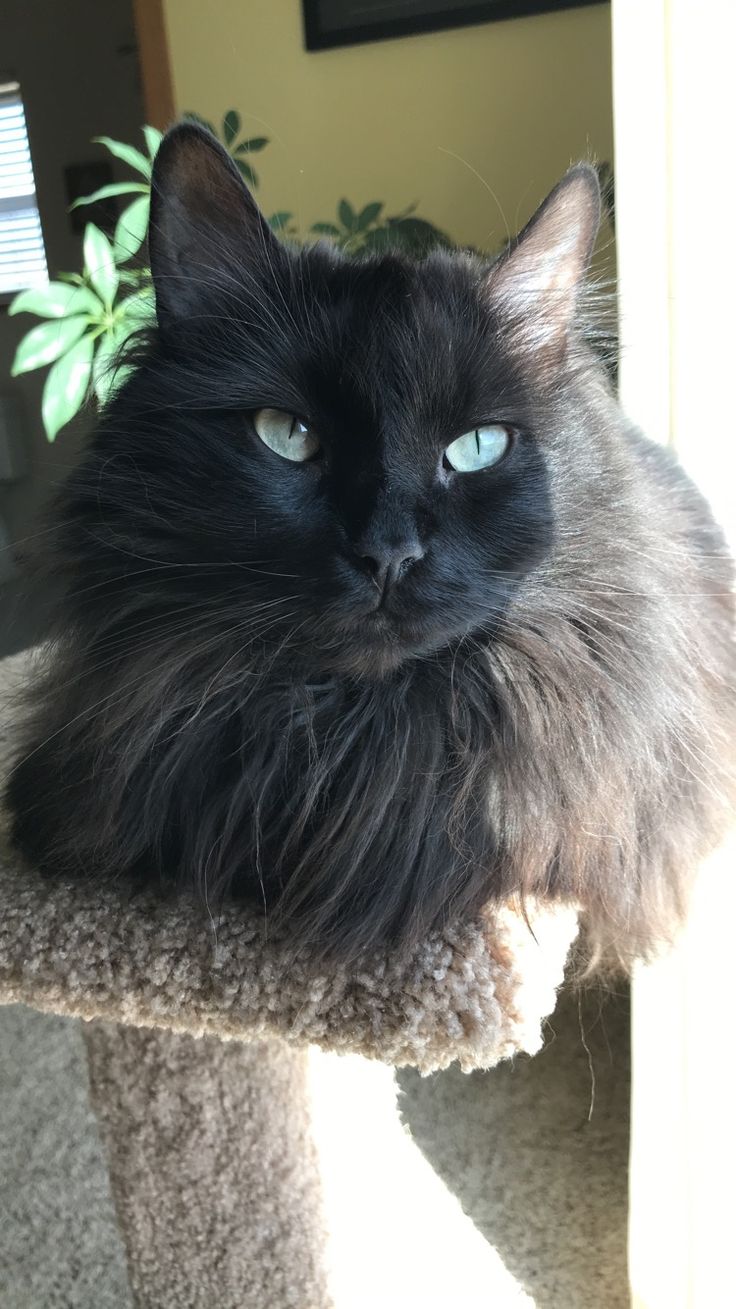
[[481, 448], [286, 435]]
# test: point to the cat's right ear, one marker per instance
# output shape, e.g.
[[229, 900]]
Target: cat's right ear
[[204, 223]]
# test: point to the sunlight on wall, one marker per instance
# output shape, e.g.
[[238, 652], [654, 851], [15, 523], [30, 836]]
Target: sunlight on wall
[[677, 297], [396, 1235], [476, 124]]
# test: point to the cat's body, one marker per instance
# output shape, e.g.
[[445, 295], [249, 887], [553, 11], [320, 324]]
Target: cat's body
[[362, 687]]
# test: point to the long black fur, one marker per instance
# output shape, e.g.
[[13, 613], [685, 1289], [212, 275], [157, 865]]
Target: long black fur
[[544, 705]]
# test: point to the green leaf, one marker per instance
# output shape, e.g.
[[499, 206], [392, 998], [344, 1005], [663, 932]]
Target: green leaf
[[109, 371], [127, 153], [230, 126], [325, 229], [56, 300], [112, 188], [136, 310], [45, 343], [369, 214], [131, 229], [280, 220], [251, 146], [197, 118], [248, 173], [99, 262], [66, 386], [346, 214], [131, 276], [416, 235], [378, 240], [153, 139]]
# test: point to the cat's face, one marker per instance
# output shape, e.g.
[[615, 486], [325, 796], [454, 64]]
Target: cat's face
[[351, 453]]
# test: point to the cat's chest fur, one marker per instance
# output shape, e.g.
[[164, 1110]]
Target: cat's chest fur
[[356, 802]]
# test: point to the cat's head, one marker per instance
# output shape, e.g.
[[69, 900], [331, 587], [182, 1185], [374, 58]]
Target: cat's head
[[348, 457]]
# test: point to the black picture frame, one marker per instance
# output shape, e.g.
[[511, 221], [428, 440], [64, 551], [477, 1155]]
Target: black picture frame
[[328, 24]]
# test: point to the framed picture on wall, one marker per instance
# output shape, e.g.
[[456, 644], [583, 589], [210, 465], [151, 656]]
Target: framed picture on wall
[[329, 23]]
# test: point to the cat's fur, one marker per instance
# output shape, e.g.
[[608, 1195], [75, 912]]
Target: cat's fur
[[543, 706]]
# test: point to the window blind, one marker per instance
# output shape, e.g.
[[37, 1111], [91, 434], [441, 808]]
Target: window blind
[[22, 255]]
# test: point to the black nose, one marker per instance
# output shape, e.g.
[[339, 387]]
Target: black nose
[[388, 563]]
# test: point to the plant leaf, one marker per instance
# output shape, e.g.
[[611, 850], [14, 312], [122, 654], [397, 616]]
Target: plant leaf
[[251, 146], [248, 173], [112, 188], [136, 310], [131, 228], [108, 370], [416, 235], [230, 126], [99, 262], [369, 214], [153, 139], [66, 386], [346, 214], [45, 343], [127, 153], [325, 229], [280, 220], [378, 240], [56, 300], [197, 118]]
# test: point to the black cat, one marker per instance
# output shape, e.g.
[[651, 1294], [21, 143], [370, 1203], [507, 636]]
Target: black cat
[[377, 608]]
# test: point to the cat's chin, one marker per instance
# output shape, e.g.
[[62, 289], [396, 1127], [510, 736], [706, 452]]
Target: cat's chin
[[378, 644]]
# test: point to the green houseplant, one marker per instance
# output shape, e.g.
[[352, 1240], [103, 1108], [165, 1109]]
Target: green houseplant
[[89, 316]]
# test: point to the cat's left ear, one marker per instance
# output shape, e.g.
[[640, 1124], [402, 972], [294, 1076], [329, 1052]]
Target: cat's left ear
[[535, 283], [204, 224]]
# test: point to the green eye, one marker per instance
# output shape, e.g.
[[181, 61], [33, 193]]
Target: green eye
[[286, 435], [478, 449]]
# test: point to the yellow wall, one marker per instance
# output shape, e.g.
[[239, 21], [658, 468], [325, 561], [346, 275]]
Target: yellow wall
[[517, 101]]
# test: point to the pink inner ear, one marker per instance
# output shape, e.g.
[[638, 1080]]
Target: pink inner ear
[[538, 278]]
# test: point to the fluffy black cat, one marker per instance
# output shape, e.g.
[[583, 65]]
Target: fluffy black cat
[[376, 607]]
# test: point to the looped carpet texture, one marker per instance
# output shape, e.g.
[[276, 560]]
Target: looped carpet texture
[[473, 993], [197, 1053]]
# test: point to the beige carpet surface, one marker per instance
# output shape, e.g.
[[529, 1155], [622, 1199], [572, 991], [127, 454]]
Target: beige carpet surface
[[59, 1243], [213, 1168], [541, 1181]]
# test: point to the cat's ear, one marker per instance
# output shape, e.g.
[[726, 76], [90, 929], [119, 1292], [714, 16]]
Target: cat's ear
[[535, 283], [204, 222]]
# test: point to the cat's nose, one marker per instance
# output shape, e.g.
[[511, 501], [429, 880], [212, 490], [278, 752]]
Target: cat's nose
[[387, 564]]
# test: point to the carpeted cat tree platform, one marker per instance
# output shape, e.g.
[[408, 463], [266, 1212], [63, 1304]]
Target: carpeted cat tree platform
[[228, 1133]]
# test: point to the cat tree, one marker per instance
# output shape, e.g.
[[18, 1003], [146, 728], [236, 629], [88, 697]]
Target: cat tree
[[200, 1035]]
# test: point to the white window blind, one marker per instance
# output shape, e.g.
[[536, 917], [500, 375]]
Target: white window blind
[[22, 255]]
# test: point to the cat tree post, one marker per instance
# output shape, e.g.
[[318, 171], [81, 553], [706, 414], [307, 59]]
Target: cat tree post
[[212, 1168]]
